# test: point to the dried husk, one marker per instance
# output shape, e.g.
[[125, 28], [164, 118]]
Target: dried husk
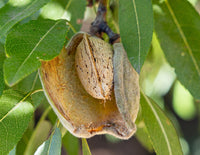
[[126, 86], [83, 115]]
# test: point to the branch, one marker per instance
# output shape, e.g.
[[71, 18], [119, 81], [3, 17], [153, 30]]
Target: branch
[[99, 25]]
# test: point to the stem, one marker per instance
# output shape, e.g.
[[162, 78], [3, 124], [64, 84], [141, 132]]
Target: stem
[[34, 82], [101, 13], [36, 91], [99, 25], [71, 26]]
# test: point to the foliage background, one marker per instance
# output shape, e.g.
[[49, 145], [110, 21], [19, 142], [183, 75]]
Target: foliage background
[[169, 50]]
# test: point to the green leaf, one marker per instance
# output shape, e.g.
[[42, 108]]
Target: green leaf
[[136, 29], [76, 9], [10, 15], [143, 137], [178, 33], [85, 147], [32, 83], [2, 57], [27, 84], [3, 2], [71, 144], [39, 135], [15, 115], [27, 44], [161, 131], [38, 98], [21, 145], [52, 146]]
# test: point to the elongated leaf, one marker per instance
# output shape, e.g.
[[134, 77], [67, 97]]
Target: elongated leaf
[[52, 146], [136, 29], [10, 15], [85, 147], [21, 145], [162, 133], [39, 135], [27, 44], [32, 83], [15, 115], [142, 136], [71, 144], [178, 32], [76, 9], [2, 57]]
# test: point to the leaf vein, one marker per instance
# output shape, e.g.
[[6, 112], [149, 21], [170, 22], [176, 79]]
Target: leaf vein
[[17, 15], [9, 112], [160, 124], [183, 36], [138, 30], [42, 38]]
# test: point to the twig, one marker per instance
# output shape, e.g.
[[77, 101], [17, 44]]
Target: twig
[[99, 25]]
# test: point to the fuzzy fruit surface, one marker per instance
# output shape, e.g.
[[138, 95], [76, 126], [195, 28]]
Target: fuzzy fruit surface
[[93, 60]]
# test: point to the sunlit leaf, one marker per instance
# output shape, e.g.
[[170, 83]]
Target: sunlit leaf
[[27, 44], [85, 147], [136, 29], [183, 102], [178, 32], [10, 15], [53, 10], [143, 137], [161, 131], [15, 115], [52, 146]]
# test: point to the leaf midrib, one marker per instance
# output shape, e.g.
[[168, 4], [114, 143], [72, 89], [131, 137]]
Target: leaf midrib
[[17, 15], [138, 31], [11, 110], [183, 36], [160, 124], [41, 39]]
